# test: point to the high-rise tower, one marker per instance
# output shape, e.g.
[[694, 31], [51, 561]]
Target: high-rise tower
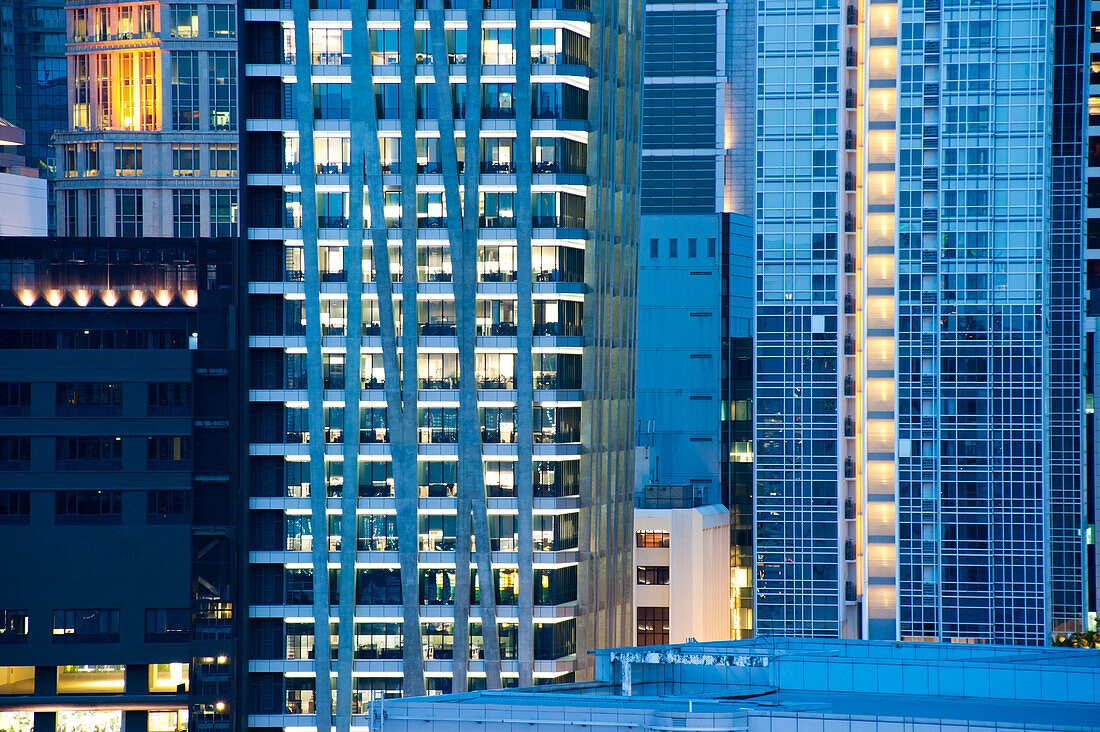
[[440, 454], [918, 337]]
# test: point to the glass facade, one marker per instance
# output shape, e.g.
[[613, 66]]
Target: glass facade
[[918, 405], [443, 340]]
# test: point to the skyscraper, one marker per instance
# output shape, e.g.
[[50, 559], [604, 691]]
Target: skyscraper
[[918, 345], [481, 387], [694, 409], [151, 146]]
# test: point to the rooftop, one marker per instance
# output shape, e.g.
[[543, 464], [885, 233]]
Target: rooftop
[[722, 685]]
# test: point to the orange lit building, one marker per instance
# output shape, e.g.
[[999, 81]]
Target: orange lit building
[[152, 143]]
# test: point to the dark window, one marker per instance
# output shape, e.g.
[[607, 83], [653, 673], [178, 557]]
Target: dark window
[[15, 452], [14, 625], [692, 251], [168, 507], [15, 507], [672, 248], [15, 398], [170, 399], [167, 625], [89, 453], [97, 339], [651, 539], [712, 245], [652, 626], [169, 453], [85, 626], [89, 507], [653, 248], [89, 398], [656, 575]]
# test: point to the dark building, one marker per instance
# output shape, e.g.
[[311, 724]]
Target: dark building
[[118, 455]]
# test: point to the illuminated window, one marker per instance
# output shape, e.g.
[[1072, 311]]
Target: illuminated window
[[90, 679], [655, 575], [89, 721], [170, 721], [651, 539], [169, 677], [223, 213], [17, 721], [185, 21], [652, 626], [16, 679]]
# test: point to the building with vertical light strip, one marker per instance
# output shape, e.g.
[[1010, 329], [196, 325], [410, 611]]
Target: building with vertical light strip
[[918, 356], [440, 456], [151, 147]]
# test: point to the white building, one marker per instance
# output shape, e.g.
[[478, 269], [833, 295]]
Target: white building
[[21, 190]]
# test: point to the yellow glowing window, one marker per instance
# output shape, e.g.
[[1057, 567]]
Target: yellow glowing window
[[16, 679], [880, 353], [880, 518], [880, 395], [882, 21], [880, 229], [880, 312], [880, 476], [880, 188], [880, 147], [881, 559], [880, 270], [883, 62], [91, 679], [880, 435], [169, 677], [171, 721], [881, 105]]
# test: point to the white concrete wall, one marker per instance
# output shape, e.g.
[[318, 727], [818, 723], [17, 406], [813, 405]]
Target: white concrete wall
[[698, 558], [22, 206]]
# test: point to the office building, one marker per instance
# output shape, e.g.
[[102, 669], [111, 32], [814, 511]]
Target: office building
[[151, 143], [789, 685], [1091, 255], [22, 191], [118, 439], [680, 548], [695, 267], [32, 79], [918, 394], [481, 386]]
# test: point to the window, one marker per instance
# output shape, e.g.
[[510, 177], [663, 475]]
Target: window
[[90, 679], [653, 248], [95, 204], [167, 625], [170, 399], [129, 213], [15, 452], [185, 214], [692, 247], [223, 21], [711, 247], [89, 453], [15, 508], [654, 575], [652, 626], [185, 90], [91, 159], [185, 20], [128, 158], [169, 677], [168, 453], [14, 625], [651, 539], [223, 160], [84, 626], [69, 161], [168, 507], [15, 398], [185, 159], [223, 90], [672, 248], [16, 679], [223, 213], [68, 227], [104, 507], [88, 398]]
